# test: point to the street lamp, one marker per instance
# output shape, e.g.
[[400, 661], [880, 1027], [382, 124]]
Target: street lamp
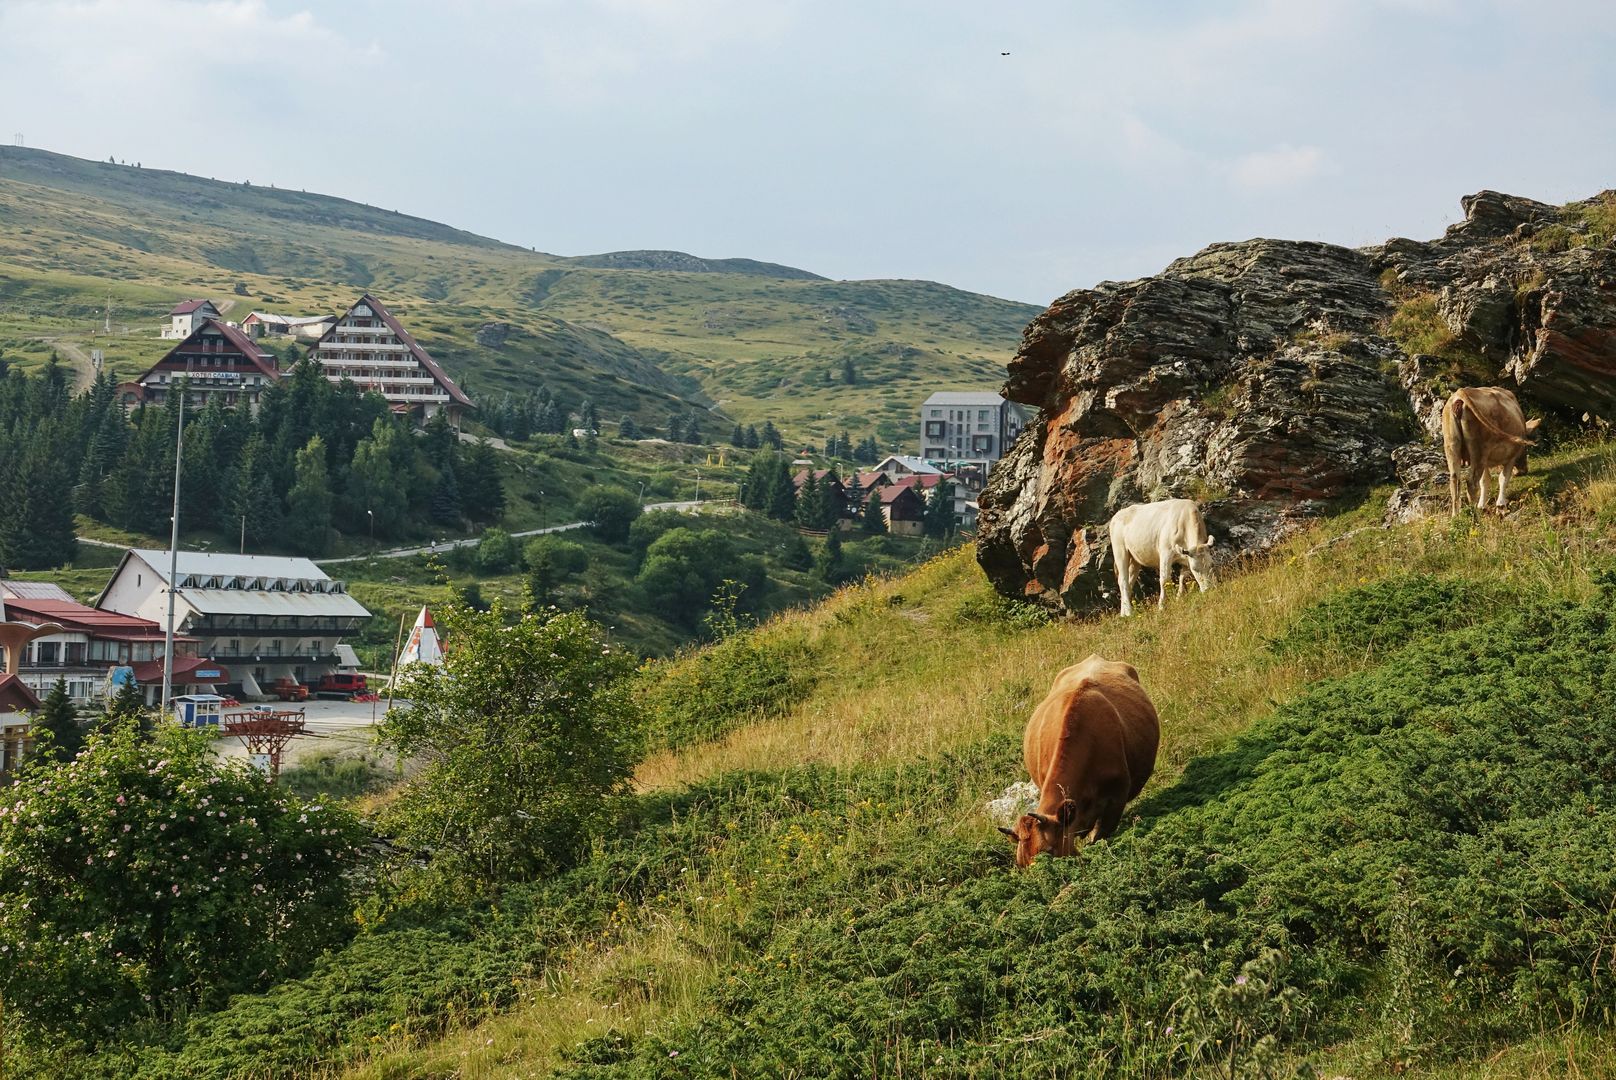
[[541, 509], [642, 494], [372, 515]]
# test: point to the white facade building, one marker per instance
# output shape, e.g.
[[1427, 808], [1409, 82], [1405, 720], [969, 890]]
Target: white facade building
[[958, 426], [187, 316], [266, 617], [369, 346]]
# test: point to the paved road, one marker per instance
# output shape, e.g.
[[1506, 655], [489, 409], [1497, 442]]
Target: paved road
[[400, 553]]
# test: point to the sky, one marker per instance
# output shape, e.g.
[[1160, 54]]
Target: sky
[[853, 138]]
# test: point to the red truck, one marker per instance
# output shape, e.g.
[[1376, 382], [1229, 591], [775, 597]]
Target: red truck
[[340, 684], [289, 689]]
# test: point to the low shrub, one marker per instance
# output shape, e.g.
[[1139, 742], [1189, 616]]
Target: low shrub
[[1386, 615], [706, 694]]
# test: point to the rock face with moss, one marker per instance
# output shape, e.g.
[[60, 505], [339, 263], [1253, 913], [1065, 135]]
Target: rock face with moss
[[1268, 378]]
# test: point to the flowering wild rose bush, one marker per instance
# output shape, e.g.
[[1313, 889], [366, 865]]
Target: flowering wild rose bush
[[146, 876]]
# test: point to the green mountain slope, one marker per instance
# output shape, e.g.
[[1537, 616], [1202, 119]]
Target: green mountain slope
[[1376, 841], [637, 331]]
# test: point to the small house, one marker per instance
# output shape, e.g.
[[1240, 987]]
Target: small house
[[187, 316], [904, 510]]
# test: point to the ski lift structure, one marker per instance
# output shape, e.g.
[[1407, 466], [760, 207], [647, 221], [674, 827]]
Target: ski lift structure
[[265, 733]]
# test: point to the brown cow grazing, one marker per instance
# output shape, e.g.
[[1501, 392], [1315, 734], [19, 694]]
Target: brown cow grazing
[[1090, 747], [1482, 427]]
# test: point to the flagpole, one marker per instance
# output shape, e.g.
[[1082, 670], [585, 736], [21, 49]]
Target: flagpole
[[173, 557]]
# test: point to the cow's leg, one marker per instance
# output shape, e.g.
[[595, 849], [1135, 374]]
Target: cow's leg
[[1180, 573], [1119, 553], [1454, 483], [1479, 493], [1110, 818], [1167, 562], [1504, 473]]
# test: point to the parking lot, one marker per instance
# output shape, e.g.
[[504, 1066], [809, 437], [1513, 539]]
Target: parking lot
[[333, 726]]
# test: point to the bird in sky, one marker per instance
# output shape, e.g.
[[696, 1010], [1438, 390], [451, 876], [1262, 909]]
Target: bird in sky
[[1004, 54]]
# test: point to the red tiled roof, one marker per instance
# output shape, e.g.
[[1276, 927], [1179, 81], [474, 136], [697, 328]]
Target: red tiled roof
[[893, 492], [403, 335], [920, 480], [16, 696], [82, 619], [150, 671], [185, 307], [819, 474], [261, 358]]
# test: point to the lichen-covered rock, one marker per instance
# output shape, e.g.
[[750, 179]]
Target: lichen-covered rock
[[1262, 379]]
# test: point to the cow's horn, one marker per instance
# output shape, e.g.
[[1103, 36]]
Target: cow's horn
[[1042, 819], [1009, 832]]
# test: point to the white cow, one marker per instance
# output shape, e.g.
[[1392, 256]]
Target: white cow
[[1161, 535]]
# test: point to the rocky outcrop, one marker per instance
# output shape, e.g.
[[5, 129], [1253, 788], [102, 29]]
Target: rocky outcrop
[[1269, 378]]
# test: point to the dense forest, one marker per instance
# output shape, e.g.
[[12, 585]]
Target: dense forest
[[317, 458]]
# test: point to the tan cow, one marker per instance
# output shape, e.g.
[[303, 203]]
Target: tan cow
[[1482, 427], [1160, 535], [1090, 747]]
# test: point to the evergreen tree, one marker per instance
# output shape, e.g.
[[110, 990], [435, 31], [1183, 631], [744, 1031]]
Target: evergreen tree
[[589, 415], [482, 493], [939, 518], [445, 503], [771, 436], [692, 432], [752, 441], [737, 437], [849, 372], [58, 720], [37, 530], [676, 427], [377, 495], [828, 565], [628, 429], [874, 518], [781, 503], [438, 440], [308, 504]]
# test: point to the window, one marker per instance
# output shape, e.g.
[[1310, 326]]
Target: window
[[937, 412]]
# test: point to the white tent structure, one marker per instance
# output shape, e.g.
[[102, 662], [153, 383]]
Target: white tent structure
[[423, 646]]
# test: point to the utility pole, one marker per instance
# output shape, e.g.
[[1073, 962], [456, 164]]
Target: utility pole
[[173, 555], [243, 549]]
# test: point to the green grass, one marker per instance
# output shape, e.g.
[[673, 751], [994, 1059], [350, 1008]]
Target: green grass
[[1386, 755]]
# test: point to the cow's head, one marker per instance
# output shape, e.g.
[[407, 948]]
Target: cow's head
[[1035, 834], [1200, 560], [1520, 459]]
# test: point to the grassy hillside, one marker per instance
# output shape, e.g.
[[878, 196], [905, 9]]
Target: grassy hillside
[[635, 331], [1377, 842]]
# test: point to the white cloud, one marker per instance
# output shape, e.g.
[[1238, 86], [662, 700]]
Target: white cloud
[[1281, 166]]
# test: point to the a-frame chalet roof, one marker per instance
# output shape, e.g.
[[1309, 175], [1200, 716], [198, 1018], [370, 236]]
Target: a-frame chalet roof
[[261, 358], [403, 335]]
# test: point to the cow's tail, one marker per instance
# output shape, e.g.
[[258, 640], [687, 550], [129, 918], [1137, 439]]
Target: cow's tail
[[1460, 412]]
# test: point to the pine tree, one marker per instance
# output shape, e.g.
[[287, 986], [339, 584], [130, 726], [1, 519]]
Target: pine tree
[[849, 372], [752, 442], [482, 493], [939, 518], [692, 432], [628, 429], [308, 504], [781, 503], [737, 437], [771, 436], [376, 497], [445, 504], [59, 720], [676, 427], [874, 518], [828, 565]]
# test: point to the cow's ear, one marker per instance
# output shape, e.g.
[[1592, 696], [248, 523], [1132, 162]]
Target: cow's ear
[[1067, 813], [1533, 425]]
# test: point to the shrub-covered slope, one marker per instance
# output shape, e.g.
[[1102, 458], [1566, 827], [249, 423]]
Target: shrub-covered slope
[[1377, 842]]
